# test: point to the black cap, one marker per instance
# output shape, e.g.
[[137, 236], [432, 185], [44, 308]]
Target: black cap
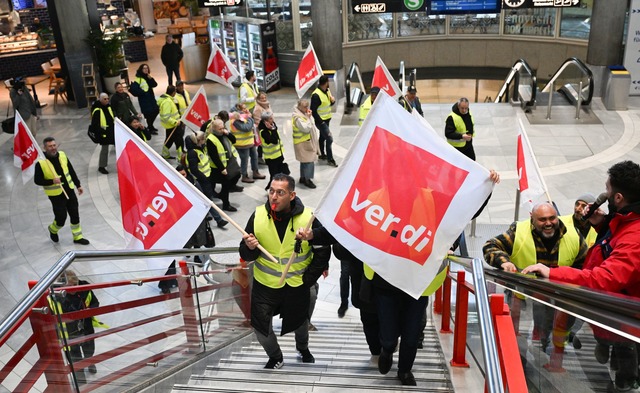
[[412, 89], [375, 90]]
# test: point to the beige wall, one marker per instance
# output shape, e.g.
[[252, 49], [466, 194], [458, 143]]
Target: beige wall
[[544, 57]]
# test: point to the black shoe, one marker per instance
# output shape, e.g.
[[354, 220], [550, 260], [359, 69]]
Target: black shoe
[[229, 208], [307, 357], [165, 290], [103, 170], [407, 378], [342, 310], [602, 353], [322, 157], [575, 341], [275, 363], [236, 188], [154, 132], [332, 162], [222, 223], [302, 181], [310, 184], [54, 237], [385, 361], [420, 345], [92, 369], [82, 241]]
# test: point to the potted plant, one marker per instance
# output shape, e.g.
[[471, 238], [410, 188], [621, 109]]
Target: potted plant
[[109, 55]]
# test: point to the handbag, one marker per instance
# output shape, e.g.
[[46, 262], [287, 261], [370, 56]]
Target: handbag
[[8, 124], [211, 240], [93, 135]]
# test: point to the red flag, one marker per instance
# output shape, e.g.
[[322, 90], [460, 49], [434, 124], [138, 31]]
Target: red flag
[[197, 112], [220, 69], [382, 78], [26, 151], [160, 208], [401, 197], [309, 71], [530, 181]]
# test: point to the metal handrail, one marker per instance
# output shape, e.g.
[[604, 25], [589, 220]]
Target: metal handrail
[[514, 74], [401, 76], [25, 304], [582, 67]]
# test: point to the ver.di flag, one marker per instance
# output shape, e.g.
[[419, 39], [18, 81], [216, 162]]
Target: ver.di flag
[[309, 71], [160, 208], [26, 151], [382, 78], [530, 182], [402, 196], [220, 69], [197, 112]]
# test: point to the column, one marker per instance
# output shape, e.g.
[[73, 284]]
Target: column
[[327, 33]]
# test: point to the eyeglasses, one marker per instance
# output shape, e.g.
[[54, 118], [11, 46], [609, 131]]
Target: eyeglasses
[[279, 193]]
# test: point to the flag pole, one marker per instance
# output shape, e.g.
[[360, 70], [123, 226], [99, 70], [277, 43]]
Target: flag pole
[[195, 189], [54, 171], [535, 161], [294, 254]]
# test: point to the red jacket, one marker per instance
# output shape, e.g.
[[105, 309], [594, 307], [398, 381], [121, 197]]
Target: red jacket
[[619, 272]]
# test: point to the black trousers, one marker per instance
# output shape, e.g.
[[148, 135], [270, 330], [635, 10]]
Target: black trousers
[[175, 137], [218, 178], [63, 206]]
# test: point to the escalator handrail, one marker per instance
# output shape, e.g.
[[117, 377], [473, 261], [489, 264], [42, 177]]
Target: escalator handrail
[[401, 76], [520, 63], [585, 70], [354, 68]]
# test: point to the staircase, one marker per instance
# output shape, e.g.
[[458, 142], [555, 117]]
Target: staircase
[[343, 363]]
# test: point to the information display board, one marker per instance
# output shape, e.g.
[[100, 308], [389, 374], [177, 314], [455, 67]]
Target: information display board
[[445, 7], [382, 6], [515, 4]]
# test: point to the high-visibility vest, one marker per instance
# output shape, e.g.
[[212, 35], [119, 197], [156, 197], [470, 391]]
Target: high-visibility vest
[[103, 120], [220, 149], [243, 139], [364, 110], [591, 236], [144, 86], [49, 173], [250, 94], [271, 151], [267, 272], [183, 101], [204, 162], [524, 248], [298, 136], [431, 288], [169, 115], [461, 129], [324, 110]]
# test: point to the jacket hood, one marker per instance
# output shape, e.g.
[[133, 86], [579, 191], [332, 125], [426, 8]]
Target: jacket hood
[[189, 144], [454, 109]]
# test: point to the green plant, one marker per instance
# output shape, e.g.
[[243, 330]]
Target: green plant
[[193, 5], [108, 51]]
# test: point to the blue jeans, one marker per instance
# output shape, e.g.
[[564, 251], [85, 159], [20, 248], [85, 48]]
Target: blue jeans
[[244, 160], [325, 136], [399, 315], [307, 170]]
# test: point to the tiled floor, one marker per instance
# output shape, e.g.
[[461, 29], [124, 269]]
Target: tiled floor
[[574, 160]]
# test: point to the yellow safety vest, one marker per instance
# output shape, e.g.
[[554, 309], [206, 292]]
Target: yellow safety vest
[[144, 86], [364, 110], [268, 272], [183, 101], [50, 174], [324, 110], [103, 119], [250, 94], [220, 149], [243, 139], [431, 288], [591, 236], [273, 150], [298, 136], [524, 248], [169, 115], [204, 162], [461, 129]]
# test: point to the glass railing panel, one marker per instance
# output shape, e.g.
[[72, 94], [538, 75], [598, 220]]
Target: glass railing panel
[[369, 26], [576, 21], [540, 22], [420, 23], [474, 24]]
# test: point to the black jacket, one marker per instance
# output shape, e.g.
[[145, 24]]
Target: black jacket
[[171, 54]]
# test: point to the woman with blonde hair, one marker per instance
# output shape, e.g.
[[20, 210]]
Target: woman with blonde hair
[[305, 141]]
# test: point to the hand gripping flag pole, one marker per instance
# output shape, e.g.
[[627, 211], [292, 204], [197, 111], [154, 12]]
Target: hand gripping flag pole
[[294, 254]]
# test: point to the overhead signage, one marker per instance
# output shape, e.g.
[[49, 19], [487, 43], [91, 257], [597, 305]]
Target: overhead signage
[[540, 3], [377, 7], [443, 7], [219, 3]]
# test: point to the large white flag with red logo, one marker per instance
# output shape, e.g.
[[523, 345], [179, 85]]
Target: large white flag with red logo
[[402, 196], [220, 69], [309, 71], [197, 112], [26, 151], [160, 208], [530, 182], [382, 78]]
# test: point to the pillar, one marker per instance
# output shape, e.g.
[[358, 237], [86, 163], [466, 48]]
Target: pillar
[[327, 33]]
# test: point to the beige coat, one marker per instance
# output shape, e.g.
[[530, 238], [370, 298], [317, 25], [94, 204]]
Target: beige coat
[[261, 106], [306, 151]]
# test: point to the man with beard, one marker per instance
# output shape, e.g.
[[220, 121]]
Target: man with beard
[[273, 225], [612, 264], [575, 220], [543, 239]]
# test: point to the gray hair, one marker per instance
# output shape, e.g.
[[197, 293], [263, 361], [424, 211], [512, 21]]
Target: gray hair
[[196, 135], [463, 99], [266, 115]]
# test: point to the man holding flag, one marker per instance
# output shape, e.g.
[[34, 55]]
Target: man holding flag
[[59, 181]]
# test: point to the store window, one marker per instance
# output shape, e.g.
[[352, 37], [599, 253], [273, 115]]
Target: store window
[[419, 23], [370, 26], [474, 24], [533, 22], [576, 21]]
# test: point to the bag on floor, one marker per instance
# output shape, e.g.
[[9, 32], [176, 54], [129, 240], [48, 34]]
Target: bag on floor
[[8, 125]]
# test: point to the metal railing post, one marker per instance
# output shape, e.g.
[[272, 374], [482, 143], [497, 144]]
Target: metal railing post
[[579, 101], [460, 322], [445, 326], [437, 304], [551, 90]]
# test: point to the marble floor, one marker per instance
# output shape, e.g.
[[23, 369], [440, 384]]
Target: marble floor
[[573, 158]]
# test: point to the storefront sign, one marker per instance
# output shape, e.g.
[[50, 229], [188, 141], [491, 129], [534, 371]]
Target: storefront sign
[[369, 6], [539, 3], [632, 48], [219, 3]]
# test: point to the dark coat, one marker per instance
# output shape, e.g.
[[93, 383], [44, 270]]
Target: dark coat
[[147, 100]]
